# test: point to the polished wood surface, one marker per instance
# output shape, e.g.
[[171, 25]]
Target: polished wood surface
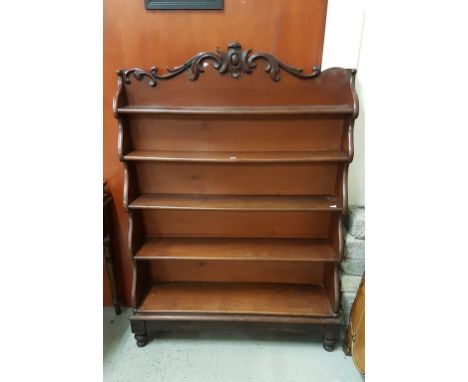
[[239, 249], [254, 298], [290, 29]]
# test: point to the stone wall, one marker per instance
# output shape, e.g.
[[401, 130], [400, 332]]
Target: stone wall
[[352, 267]]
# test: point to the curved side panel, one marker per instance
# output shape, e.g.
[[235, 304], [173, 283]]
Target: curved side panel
[[127, 188], [336, 277], [331, 283], [340, 239], [134, 243], [352, 82], [345, 188], [120, 98], [130, 236], [120, 140], [351, 140], [134, 285]]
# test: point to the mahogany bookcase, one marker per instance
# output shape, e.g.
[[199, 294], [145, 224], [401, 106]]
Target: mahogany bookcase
[[235, 185]]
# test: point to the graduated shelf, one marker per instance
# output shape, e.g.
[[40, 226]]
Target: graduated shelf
[[236, 202], [237, 110], [236, 157], [236, 298], [236, 249]]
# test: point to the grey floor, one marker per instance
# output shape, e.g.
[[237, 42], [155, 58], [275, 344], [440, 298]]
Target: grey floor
[[219, 356]]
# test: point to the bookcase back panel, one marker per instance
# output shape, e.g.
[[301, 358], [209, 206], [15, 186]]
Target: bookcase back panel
[[237, 224], [211, 88], [215, 133], [239, 271], [240, 179]]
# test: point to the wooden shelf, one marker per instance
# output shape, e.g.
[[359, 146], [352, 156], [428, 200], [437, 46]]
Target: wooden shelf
[[236, 298], [237, 110], [238, 157], [236, 202], [182, 248]]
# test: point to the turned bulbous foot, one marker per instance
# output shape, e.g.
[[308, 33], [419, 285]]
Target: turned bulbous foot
[[140, 340], [330, 337], [329, 344]]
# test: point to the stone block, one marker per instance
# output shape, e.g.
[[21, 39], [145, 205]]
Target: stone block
[[356, 222], [344, 317], [350, 283], [347, 300], [354, 248], [353, 267]]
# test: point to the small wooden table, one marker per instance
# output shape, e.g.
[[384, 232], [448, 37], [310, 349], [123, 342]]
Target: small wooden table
[[354, 344]]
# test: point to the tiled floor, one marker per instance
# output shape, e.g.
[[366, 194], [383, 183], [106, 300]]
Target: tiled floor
[[219, 356]]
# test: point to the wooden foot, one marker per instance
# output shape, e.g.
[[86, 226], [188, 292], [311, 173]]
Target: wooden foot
[[140, 340], [330, 338], [329, 344], [139, 328]]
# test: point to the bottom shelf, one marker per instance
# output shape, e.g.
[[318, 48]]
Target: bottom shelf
[[237, 298]]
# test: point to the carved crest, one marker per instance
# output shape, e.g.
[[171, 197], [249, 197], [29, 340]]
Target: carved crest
[[234, 61]]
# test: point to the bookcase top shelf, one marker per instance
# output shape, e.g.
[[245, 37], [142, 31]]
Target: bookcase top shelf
[[236, 82]]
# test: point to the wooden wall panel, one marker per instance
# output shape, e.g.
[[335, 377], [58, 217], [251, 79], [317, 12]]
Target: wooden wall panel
[[293, 30], [269, 224], [153, 132], [239, 271], [251, 179]]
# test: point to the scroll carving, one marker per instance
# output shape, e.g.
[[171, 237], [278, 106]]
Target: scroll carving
[[234, 62]]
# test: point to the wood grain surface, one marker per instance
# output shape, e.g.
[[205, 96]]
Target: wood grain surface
[[237, 249], [277, 299]]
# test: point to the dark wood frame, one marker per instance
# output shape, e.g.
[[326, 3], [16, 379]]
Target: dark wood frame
[[183, 4], [318, 96]]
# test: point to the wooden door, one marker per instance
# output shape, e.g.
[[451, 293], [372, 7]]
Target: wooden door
[[292, 30]]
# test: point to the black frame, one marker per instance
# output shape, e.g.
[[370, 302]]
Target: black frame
[[183, 4]]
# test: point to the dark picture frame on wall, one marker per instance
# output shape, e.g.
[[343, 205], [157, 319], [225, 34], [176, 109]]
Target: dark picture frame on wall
[[183, 4]]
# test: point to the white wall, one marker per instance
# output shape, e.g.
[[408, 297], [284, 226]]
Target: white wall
[[344, 46]]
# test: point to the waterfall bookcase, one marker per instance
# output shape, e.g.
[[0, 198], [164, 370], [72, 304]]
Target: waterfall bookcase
[[235, 184]]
